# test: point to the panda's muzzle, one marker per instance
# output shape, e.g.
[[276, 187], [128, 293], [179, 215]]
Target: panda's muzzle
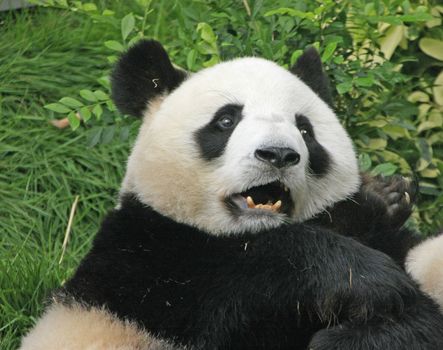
[[273, 197]]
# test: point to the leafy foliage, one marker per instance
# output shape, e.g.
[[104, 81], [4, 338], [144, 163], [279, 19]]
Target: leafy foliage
[[372, 51], [382, 56]]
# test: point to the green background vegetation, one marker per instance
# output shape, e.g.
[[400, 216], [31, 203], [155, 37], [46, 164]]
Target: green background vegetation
[[385, 60]]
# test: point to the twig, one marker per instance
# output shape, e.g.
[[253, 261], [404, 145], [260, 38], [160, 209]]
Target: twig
[[68, 229], [248, 9]]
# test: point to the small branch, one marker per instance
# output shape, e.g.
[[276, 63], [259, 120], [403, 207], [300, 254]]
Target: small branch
[[248, 9], [68, 229]]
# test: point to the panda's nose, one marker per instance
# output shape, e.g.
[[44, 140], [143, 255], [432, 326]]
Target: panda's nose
[[278, 157]]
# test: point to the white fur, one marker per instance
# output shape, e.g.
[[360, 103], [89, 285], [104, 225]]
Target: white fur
[[167, 172], [425, 265], [79, 328]]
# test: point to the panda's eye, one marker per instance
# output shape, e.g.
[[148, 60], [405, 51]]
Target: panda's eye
[[305, 127], [225, 122], [306, 132]]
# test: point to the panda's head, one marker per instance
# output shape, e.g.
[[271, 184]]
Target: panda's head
[[239, 147]]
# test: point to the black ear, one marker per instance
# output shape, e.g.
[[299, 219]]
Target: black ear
[[141, 74], [309, 69]]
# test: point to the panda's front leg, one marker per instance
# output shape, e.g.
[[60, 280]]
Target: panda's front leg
[[417, 328], [331, 279], [375, 215]]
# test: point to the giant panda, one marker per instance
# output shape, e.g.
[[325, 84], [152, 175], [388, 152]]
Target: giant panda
[[242, 223]]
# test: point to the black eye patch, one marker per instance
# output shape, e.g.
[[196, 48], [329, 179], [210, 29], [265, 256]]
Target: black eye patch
[[213, 137], [319, 159]]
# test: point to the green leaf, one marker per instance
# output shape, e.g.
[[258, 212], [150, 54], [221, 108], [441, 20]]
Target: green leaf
[[71, 102], [435, 120], [107, 12], [88, 95], [295, 55], [391, 39], [394, 20], [364, 81], [89, 7], [377, 144], [101, 96], [429, 188], [206, 33], [376, 123], [344, 87], [74, 121], [112, 59], [63, 3], [432, 47], [418, 96], [211, 62], [291, 12], [108, 134], [430, 172], [97, 111], [387, 169], [416, 17], [85, 113], [114, 45], [134, 40], [94, 136], [190, 59], [124, 133], [425, 149], [111, 105], [364, 161], [438, 89], [58, 108], [436, 138], [396, 132], [105, 82], [127, 25], [329, 51]]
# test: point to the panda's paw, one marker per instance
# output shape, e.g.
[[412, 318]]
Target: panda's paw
[[337, 337], [374, 335], [391, 197]]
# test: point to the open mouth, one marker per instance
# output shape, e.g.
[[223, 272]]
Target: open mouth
[[274, 197]]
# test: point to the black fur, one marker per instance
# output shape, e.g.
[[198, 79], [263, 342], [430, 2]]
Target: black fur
[[141, 74], [376, 214], [319, 159], [212, 138], [286, 288], [309, 69]]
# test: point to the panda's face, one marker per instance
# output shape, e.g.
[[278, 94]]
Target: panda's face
[[240, 147]]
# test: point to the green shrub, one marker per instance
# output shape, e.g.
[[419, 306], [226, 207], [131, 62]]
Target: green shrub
[[384, 58]]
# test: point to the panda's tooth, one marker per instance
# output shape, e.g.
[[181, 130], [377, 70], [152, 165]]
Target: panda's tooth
[[276, 206], [250, 202], [286, 189]]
